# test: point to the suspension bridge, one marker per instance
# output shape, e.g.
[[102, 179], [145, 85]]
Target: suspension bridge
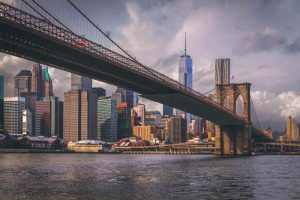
[[31, 30]]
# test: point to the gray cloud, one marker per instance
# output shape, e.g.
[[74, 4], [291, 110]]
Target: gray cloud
[[266, 40], [293, 47]]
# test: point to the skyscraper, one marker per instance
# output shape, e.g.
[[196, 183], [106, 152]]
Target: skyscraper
[[1, 101], [222, 71], [178, 130], [13, 107], [30, 100], [80, 82], [37, 80], [22, 82], [99, 91], [26, 122], [107, 119], [80, 110], [48, 85], [124, 95], [124, 120], [167, 110], [140, 112], [54, 115], [43, 118], [185, 76], [76, 115], [292, 130]]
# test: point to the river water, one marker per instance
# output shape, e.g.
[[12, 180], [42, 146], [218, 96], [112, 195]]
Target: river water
[[104, 176]]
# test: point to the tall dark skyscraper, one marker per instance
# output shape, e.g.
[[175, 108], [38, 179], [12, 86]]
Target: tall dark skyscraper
[[37, 80], [22, 82], [99, 91], [126, 96], [1, 101], [124, 120], [167, 110], [222, 71], [48, 85]]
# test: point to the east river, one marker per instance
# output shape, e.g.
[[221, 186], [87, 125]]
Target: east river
[[103, 176]]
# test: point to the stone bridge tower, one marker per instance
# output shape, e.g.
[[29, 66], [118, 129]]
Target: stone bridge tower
[[234, 139]]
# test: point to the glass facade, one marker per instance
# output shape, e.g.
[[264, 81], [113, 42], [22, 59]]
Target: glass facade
[[185, 78], [80, 82], [13, 108], [107, 120], [22, 82]]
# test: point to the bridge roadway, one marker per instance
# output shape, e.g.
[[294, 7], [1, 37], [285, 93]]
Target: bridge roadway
[[36, 39]]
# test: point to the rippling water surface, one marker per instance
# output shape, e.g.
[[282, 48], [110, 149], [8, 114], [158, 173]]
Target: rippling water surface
[[99, 176]]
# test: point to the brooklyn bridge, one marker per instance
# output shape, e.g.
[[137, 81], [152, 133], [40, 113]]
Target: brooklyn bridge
[[43, 38]]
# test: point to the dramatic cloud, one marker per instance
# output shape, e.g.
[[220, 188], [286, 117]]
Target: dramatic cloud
[[266, 40], [293, 47], [274, 109]]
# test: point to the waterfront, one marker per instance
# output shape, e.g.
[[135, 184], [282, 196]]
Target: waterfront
[[103, 176]]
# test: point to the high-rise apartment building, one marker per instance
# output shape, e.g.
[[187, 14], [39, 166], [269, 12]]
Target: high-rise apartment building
[[80, 82], [26, 122], [292, 130], [185, 77], [174, 129], [222, 71], [139, 114], [153, 118], [178, 130], [22, 82], [13, 107], [30, 100], [1, 101], [78, 115], [107, 119]]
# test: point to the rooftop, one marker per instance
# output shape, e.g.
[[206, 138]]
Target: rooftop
[[24, 73]]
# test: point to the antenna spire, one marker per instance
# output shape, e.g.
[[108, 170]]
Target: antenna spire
[[185, 44]]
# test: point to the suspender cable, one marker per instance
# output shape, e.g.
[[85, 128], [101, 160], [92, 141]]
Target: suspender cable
[[41, 7], [89, 20]]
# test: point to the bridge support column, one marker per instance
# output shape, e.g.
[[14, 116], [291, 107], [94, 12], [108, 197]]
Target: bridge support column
[[233, 140]]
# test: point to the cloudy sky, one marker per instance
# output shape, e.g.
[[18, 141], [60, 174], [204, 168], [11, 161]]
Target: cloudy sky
[[262, 39]]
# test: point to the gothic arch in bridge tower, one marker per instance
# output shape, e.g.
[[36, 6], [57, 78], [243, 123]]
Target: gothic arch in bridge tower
[[239, 106], [235, 97]]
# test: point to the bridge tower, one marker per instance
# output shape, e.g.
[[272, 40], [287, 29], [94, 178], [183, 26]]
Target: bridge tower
[[234, 139]]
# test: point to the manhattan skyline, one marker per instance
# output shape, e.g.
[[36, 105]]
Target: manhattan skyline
[[264, 52]]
